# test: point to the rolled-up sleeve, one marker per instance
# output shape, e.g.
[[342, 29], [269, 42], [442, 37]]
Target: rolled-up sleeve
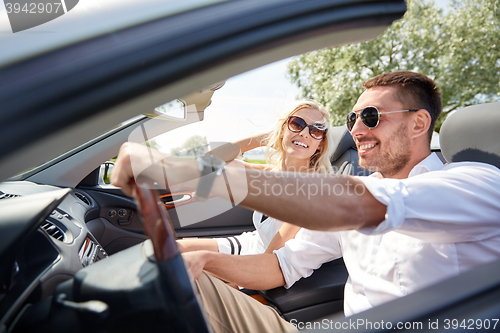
[[460, 203], [306, 252]]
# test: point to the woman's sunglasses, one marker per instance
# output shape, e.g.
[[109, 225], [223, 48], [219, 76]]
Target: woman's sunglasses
[[370, 116], [297, 124]]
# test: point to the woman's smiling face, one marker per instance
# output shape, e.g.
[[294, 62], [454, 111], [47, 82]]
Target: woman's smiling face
[[301, 145]]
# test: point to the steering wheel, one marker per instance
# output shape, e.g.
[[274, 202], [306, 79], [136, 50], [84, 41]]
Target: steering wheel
[[176, 287]]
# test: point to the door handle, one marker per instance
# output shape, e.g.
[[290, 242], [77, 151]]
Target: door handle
[[184, 198]]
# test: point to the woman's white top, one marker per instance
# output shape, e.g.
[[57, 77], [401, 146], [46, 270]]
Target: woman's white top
[[254, 242]]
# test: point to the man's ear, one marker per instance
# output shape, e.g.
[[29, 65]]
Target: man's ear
[[422, 122]]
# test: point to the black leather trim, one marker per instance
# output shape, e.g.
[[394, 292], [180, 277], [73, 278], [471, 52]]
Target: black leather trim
[[325, 285]]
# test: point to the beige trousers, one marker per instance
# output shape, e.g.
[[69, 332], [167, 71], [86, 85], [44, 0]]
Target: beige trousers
[[231, 311]]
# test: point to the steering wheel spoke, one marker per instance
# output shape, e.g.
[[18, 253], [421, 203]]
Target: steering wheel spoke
[[175, 284]]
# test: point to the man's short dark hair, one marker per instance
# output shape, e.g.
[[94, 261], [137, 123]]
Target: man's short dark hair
[[414, 90]]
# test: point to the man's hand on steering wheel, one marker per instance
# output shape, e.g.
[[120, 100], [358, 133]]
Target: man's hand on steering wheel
[[135, 159]]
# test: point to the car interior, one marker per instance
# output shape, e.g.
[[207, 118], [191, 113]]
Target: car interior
[[112, 224], [103, 233], [73, 252], [93, 221]]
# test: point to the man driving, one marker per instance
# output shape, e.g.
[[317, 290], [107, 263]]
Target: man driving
[[414, 222]]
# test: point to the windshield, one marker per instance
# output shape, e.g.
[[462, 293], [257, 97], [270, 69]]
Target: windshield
[[247, 104]]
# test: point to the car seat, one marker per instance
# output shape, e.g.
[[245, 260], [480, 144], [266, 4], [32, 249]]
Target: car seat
[[471, 134], [345, 156]]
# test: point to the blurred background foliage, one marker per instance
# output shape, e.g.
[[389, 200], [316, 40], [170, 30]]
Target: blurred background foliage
[[458, 47], [193, 147]]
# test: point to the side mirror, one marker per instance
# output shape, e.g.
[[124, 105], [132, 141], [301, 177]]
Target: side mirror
[[105, 172]]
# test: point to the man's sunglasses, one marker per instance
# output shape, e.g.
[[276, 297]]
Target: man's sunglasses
[[370, 116], [297, 124]]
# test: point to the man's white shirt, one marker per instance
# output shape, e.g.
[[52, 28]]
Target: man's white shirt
[[440, 222]]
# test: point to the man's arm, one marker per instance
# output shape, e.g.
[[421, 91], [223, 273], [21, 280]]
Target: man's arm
[[314, 201], [260, 271]]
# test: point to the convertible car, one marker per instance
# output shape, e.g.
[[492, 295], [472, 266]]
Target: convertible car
[[75, 255]]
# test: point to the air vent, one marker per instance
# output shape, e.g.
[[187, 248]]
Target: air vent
[[83, 198], [53, 231], [91, 252], [7, 196]]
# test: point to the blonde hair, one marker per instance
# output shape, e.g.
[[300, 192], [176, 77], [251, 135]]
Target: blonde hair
[[320, 160]]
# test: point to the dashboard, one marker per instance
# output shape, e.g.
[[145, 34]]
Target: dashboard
[[44, 241], [57, 273], [53, 238], [55, 242]]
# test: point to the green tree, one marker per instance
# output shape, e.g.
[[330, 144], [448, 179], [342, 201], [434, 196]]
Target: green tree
[[459, 49], [176, 151], [151, 143], [194, 145]]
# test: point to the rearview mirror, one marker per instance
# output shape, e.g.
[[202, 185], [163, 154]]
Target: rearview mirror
[[173, 110]]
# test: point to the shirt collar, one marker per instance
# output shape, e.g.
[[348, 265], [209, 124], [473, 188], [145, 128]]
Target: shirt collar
[[430, 163]]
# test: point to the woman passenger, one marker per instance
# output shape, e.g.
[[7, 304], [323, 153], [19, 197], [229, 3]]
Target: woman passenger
[[300, 142]]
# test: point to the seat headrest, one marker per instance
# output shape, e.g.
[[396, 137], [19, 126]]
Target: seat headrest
[[342, 140], [472, 134]]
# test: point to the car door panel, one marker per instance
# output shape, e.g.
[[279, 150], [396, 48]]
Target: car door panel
[[116, 220], [172, 200]]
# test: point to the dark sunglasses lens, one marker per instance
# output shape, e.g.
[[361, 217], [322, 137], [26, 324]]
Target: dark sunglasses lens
[[296, 124], [351, 120], [369, 116], [316, 132]]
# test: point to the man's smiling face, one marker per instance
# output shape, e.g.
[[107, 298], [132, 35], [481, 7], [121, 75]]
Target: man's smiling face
[[387, 147]]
